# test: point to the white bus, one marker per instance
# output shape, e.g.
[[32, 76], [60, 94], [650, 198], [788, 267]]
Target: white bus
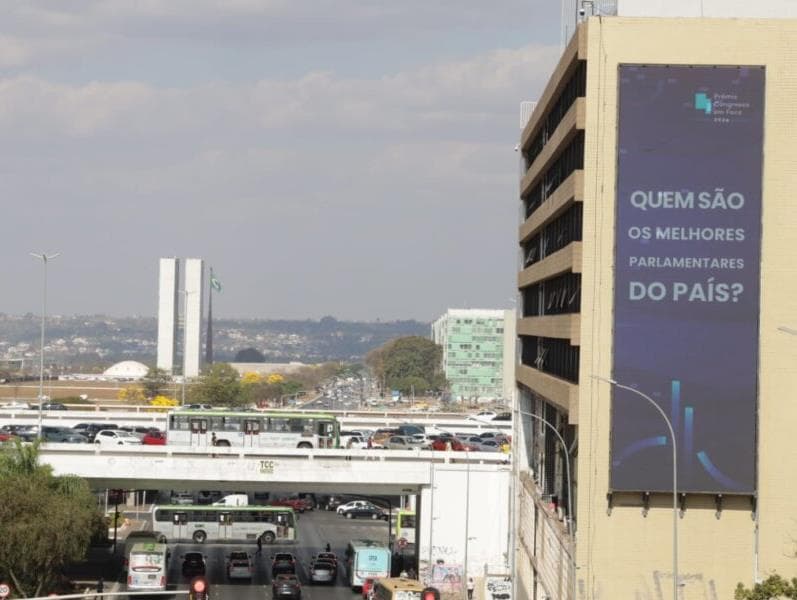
[[272, 524], [147, 567], [273, 429], [366, 559]]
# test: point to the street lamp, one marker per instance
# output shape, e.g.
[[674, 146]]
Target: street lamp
[[44, 257], [570, 525], [675, 578]]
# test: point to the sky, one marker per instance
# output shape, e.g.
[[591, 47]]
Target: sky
[[352, 158]]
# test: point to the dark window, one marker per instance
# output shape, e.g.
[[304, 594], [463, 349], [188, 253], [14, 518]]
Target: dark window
[[576, 87], [556, 296], [550, 355], [570, 159], [557, 234]]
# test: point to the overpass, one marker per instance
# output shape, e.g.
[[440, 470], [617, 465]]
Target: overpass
[[463, 499]]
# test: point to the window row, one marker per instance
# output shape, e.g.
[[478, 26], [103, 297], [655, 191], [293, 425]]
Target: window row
[[554, 356], [576, 87], [557, 296], [569, 160], [557, 234]]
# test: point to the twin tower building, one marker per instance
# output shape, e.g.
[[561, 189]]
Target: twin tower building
[[182, 307]]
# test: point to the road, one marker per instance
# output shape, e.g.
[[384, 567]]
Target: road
[[315, 530]]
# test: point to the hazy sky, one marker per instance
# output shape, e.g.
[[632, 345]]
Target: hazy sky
[[343, 157]]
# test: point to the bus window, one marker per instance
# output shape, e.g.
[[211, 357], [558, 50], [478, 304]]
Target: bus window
[[225, 518], [252, 426], [199, 425], [296, 425], [278, 424], [232, 424], [180, 518]]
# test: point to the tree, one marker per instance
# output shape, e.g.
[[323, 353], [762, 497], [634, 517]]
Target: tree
[[155, 382], [771, 588], [133, 394], [218, 385], [408, 357], [45, 521], [250, 355]]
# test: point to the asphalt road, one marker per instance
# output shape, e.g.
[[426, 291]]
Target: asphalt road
[[316, 528]]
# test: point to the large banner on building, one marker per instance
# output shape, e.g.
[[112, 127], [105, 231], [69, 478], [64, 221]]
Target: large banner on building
[[687, 270]]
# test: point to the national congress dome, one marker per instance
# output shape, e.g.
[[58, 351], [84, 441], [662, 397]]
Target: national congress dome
[[127, 369]]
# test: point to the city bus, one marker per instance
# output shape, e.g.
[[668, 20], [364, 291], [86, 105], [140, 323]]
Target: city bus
[[397, 588], [147, 565], [366, 559], [272, 524], [252, 429], [404, 530]]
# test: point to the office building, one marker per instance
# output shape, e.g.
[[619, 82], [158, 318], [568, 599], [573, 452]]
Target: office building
[[478, 353], [658, 271], [168, 280], [192, 319]]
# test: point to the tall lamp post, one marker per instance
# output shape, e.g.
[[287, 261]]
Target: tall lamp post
[[675, 579], [571, 526], [45, 258]]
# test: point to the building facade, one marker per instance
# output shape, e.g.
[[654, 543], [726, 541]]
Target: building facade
[[478, 353], [168, 281], [192, 319], [627, 230]]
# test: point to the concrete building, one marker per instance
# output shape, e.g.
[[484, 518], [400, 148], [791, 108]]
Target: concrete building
[[478, 352], [652, 119], [168, 281], [192, 319]]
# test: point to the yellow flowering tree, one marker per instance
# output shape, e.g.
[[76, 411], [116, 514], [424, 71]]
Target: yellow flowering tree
[[275, 379], [163, 402], [132, 394]]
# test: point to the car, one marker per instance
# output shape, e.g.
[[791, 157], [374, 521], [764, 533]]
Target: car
[[16, 405], [90, 429], [447, 443], [349, 505], [330, 556], [382, 435], [64, 435], [286, 586], [137, 430], [322, 571], [194, 564], [484, 415], [283, 563], [239, 565], [355, 442], [489, 446], [332, 502], [52, 406], [116, 437], [196, 407], [182, 498], [366, 510], [154, 437], [298, 504], [504, 416], [403, 442]]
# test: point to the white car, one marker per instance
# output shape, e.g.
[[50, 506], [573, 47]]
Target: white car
[[485, 415], [343, 508], [116, 437], [239, 565]]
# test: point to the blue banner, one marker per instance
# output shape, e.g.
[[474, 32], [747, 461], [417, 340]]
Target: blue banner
[[687, 277]]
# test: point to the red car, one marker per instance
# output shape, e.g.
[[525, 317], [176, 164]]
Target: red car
[[441, 443], [154, 438], [296, 504]]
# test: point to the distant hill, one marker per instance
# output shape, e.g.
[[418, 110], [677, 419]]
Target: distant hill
[[97, 340]]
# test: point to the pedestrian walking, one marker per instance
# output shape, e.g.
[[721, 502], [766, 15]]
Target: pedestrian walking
[[470, 588], [259, 544], [329, 548], [213, 439], [100, 586]]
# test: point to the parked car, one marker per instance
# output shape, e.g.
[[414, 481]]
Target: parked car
[[194, 564], [154, 437], [182, 498], [90, 429], [16, 405], [330, 556], [403, 442], [116, 437], [366, 510], [382, 435], [283, 563], [484, 415], [64, 435], [239, 565], [349, 505], [137, 430], [286, 586], [356, 442], [322, 571], [442, 443], [298, 504], [504, 416], [196, 407]]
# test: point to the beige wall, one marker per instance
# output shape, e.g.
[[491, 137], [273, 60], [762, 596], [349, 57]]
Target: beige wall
[[625, 554]]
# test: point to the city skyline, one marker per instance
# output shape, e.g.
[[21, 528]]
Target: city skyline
[[309, 153]]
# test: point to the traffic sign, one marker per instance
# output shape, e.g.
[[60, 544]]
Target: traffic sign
[[5, 590]]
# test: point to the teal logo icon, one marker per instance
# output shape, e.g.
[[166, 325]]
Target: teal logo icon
[[703, 102]]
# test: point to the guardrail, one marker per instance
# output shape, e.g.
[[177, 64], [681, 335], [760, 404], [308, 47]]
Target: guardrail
[[152, 452]]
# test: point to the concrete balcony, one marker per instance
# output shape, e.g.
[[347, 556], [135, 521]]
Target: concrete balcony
[[553, 326], [558, 391], [572, 189], [561, 261]]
